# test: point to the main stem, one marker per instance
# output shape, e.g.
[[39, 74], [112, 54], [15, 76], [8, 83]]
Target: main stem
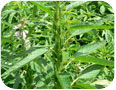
[[58, 45]]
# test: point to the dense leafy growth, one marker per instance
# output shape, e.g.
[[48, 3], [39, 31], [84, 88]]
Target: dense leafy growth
[[57, 44]]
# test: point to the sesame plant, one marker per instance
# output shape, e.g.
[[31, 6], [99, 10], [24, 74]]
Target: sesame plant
[[57, 44]]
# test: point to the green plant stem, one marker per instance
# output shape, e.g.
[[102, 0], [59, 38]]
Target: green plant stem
[[58, 45]]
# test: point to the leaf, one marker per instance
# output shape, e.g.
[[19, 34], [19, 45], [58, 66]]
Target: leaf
[[79, 31], [75, 4], [41, 85], [21, 54], [90, 27], [90, 72], [109, 17], [90, 59], [17, 81], [26, 60], [5, 40], [101, 82], [109, 36], [47, 10], [11, 16], [83, 86], [102, 9], [89, 48], [6, 23], [65, 81], [111, 10], [99, 22]]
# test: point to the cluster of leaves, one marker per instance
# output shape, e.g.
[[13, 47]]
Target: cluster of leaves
[[69, 45]]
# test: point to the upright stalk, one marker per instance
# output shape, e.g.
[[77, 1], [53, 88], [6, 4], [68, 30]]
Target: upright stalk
[[58, 44]]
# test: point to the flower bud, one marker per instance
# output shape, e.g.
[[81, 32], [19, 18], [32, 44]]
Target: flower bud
[[17, 26]]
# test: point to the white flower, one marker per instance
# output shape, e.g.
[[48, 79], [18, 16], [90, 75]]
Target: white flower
[[80, 68], [17, 26], [9, 64], [26, 31], [21, 34], [17, 34], [24, 34], [6, 63]]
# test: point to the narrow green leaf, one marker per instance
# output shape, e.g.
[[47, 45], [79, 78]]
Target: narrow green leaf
[[83, 86], [75, 4], [90, 72], [26, 60], [91, 27], [81, 29], [17, 81], [11, 16], [89, 48], [6, 23], [21, 54], [47, 10], [90, 59]]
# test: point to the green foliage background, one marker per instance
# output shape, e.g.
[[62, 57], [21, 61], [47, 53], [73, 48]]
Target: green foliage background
[[69, 45]]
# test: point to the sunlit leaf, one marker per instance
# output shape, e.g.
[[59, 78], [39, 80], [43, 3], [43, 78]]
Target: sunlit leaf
[[101, 82], [102, 9], [90, 72], [26, 60], [75, 4], [89, 48], [65, 81], [91, 27], [91, 59], [79, 31]]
